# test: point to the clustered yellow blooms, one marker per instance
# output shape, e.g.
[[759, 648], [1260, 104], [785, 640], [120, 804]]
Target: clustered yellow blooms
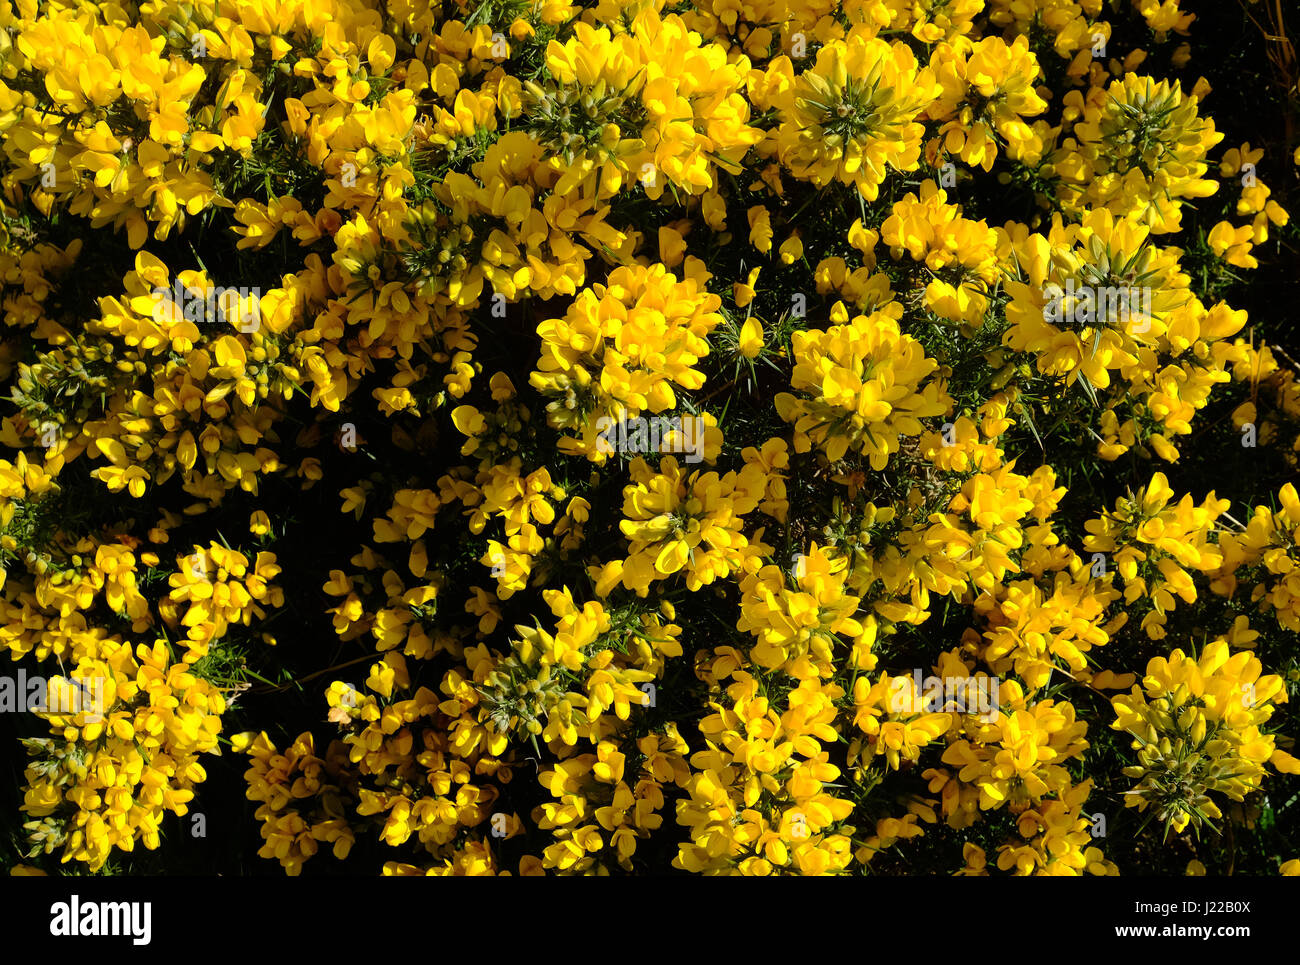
[[1196, 729], [620, 349], [691, 523], [109, 773], [987, 93], [1059, 840], [1076, 336], [280, 781], [1143, 145], [220, 588], [852, 115], [1097, 299], [868, 384], [1274, 401], [1150, 543], [892, 715], [972, 546], [1019, 762], [1069, 25], [593, 800], [129, 722], [1267, 549], [797, 627], [89, 66], [757, 799], [429, 256], [695, 117], [1032, 626], [961, 254], [1233, 243]]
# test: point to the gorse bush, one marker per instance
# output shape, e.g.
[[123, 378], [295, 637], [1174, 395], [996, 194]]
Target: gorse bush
[[624, 437]]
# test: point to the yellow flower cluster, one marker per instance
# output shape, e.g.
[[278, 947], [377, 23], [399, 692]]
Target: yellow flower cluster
[[1195, 725], [1152, 543], [620, 350], [961, 254], [852, 115], [987, 93], [796, 627], [768, 438], [1269, 545], [685, 522], [220, 588], [757, 795], [281, 781], [868, 385], [1143, 145], [128, 755]]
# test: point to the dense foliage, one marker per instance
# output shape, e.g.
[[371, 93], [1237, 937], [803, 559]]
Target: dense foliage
[[730, 436]]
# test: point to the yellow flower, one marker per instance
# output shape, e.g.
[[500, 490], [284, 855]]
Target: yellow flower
[[854, 112], [1144, 146], [1196, 725], [751, 338], [760, 228], [866, 385], [997, 80]]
